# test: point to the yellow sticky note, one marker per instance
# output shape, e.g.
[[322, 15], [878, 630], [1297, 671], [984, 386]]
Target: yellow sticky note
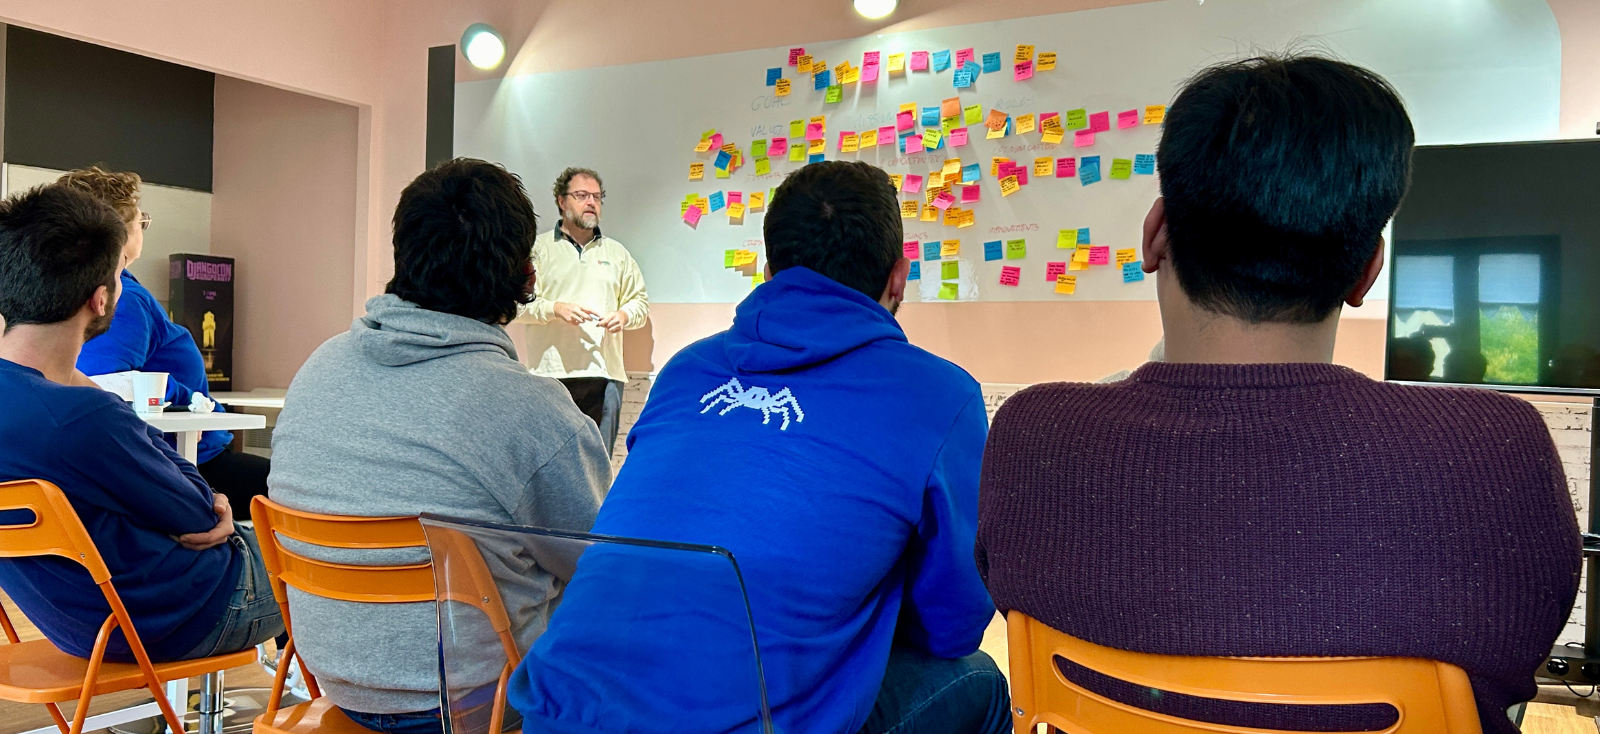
[[850, 75], [1067, 239], [952, 167], [783, 88], [994, 134], [704, 203], [1024, 53], [935, 179], [898, 179], [730, 148], [818, 66], [1155, 114], [850, 143], [897, 62], [736, 211], [1052, 122], [763, 166], [815, 147], [909, 209], [869, 138], [1052, 137], [1009, 186], [1127, 256], [908, 107], [758, 200], [703, 146], [994, 165], [952, 216], [743, 257], [1081, 256], [929, 214], [1047, 61], [803, 64], [797, 153], [930, 138], [1025, 124], [840, 70], [1044, 167], [968, 218], [1075, 264], [1066, 284], [931, 193], [949, 248], [697, 171]]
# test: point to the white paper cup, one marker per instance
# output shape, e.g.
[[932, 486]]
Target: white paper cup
[[149, 391]]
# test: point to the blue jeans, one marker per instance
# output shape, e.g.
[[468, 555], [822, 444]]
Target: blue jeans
[[421, 722], [923, 694], [253, 616]]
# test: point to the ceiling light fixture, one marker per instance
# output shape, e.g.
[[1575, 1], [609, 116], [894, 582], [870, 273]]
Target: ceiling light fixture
[[875, 9], [483, 47]]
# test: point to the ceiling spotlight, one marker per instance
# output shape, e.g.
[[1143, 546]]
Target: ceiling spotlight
[[875, 9], [483, 47]]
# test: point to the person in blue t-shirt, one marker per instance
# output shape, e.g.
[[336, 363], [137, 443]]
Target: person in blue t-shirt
[[191, 579], [143, 338], [844, 481]]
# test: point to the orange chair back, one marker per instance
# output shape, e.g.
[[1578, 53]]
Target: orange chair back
[[1431, 697], [459, 563]]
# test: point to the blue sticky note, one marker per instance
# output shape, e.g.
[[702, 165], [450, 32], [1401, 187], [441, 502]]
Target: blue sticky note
[[723, 159], [962, 79], [1144, 163], [773, 75], [1132, 272], [941, 60], [822, 81], [1089, 169], [992, 251], [1083, 236], [814, 158], [916, 271], [716, 201], [930, 250], [930, 116], [991, 62], [970, 173]]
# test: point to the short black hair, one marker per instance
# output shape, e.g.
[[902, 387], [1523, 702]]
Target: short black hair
[[58, 244], [463, 236], [840, 219], [1279, 173]]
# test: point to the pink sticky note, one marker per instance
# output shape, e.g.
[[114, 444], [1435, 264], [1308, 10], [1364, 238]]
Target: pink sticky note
[[1051, 270], [905, 120], [912, 250], [869, 72], [913, 144], [1024, 71], [795, 54], [919, 60], [1004, 169], [886, 135], [1066, 167], [778, 147], [735, 197], [840, 144], [963, 56], [1100, 255], [870, 57], [1083, 138], [692, 215], [1127, 119], [956, 138], [716, 142], [814, 131], [913, 183], [1100, 122], [1010, 275], [1021, 172], [944, 200], [1045, 116], [969, 194]]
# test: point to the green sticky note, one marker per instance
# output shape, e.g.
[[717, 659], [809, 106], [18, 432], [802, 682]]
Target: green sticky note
[[797, 153], [1016, 249], [1067, 239], [948, 291], [835, 93], [1077, 119], [708, 133], [727, 258], [763, 166], [974, 114], [1121, 167], [722, 173], [949, 270], [797, 128], [950, 123], [930, 138], [758, 149]]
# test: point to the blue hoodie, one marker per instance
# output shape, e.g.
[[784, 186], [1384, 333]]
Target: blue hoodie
[[852, 513]]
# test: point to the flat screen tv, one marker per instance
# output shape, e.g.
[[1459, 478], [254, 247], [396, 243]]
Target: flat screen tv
[[1496, 271]]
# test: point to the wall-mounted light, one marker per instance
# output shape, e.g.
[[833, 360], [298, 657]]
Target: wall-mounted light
[[875, 9], [483, 47]]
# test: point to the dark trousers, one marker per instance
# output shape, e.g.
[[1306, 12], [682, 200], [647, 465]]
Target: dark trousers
[[601, 400], [923, 694], [239, 477]]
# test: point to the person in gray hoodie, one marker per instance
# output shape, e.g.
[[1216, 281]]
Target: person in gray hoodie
[[423, 407]]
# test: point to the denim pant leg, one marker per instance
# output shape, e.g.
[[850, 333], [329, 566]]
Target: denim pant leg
[[421, 722], [253, 616], [923, 694]]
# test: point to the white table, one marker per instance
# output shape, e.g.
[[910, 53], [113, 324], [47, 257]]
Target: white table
[[189, 426]]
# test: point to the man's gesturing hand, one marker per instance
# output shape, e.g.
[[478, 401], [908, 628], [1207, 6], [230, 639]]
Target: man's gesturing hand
[[574, 314]]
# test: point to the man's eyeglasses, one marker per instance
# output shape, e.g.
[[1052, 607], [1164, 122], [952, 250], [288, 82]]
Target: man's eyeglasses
[[144, 221], [582, 196]]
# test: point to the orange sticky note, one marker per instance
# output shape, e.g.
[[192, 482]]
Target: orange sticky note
[[1155, 114], [997, 120], [1066, 284], [1127, 256], [1024, 53], [782, 89], [950, 107], [929, 214]]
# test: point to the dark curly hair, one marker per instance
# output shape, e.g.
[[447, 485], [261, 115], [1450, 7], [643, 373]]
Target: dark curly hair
[[463, 236], [840, 219], [564, 181]]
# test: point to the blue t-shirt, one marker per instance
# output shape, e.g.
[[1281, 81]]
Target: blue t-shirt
[[143, 338], [133, 494]]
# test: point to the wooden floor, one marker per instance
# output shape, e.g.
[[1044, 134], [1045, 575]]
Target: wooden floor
[[1542, 718]]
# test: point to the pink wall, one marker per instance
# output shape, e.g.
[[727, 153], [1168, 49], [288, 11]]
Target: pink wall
[[284, 206]]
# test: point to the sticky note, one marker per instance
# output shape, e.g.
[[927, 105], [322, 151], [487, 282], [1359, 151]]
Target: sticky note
[[905, 120], [1100, 122], [697, 171], [1127, 119], [949, 123], [773, 75], [1083, 236], [735, 197], [997, 120], [1099, 255], [908, 209], [869, 73], [931, 137], [1077, 119], [851, 75], [797, 153], [1024, 53], [950, 248], [1025, 124], [1010, 275], [1016, 249], [814, 147], [965, 75], [797, 128], [886, 135], [968, 218], [1066, 239], [1009, 186], [692, 215], [1081, 256], [1051, 270], [949, 291], [763, 166], [868, 138], [912, 249], [818, 66], [795, 54], [1043, 166], [919, 60], [736, 211], [897, 180], [950, 107], [1053, 137], [941, 60], [951, 167], [703, 146], [723, 159], [850, 142], [704, 203], [1089, 170], [913, 144], [930, 116], [970, 194], [969, 173], [957, 137], [777, 147], [727, 258], [963, 56], [822, 80], [1066, 284], [758, 199], [929, 214], [913, 183], [716, 201], [835, 93], [949, 271], [972, 114], [802, 63], [758, 149], [1075, 265], [991, 62], [916, 271], [1121, 168], [1083, 138], [897, 62], [757, 279], [944, 200], [994, 165], [1132, 272], [1047, 61], [1144, 164], [992, 250], [1155, 114], [813, 132], [1127, 255], [930, 250], [1023, 71]]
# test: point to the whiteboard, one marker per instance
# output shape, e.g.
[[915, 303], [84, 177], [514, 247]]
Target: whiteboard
[[1470, 71]]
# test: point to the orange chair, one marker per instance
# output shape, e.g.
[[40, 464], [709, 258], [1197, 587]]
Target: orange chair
[[36, 672], [367, 584], [1432, 697]]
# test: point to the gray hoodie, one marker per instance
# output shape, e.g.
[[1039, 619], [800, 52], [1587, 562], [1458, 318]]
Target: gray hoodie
[[416, 411]]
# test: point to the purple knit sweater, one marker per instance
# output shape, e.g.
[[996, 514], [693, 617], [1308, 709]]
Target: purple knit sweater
[[1281, 510]]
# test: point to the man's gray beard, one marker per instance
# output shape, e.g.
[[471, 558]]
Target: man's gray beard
[[576, 220]]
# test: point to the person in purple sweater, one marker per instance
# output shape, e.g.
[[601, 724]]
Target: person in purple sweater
[[1247, 497]]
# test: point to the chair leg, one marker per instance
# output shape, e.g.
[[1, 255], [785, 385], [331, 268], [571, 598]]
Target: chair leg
[[211, 704]]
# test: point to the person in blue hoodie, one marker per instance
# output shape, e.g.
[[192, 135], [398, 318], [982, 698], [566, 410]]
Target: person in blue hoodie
[[839, 464], [192, 580], [143, 338]]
